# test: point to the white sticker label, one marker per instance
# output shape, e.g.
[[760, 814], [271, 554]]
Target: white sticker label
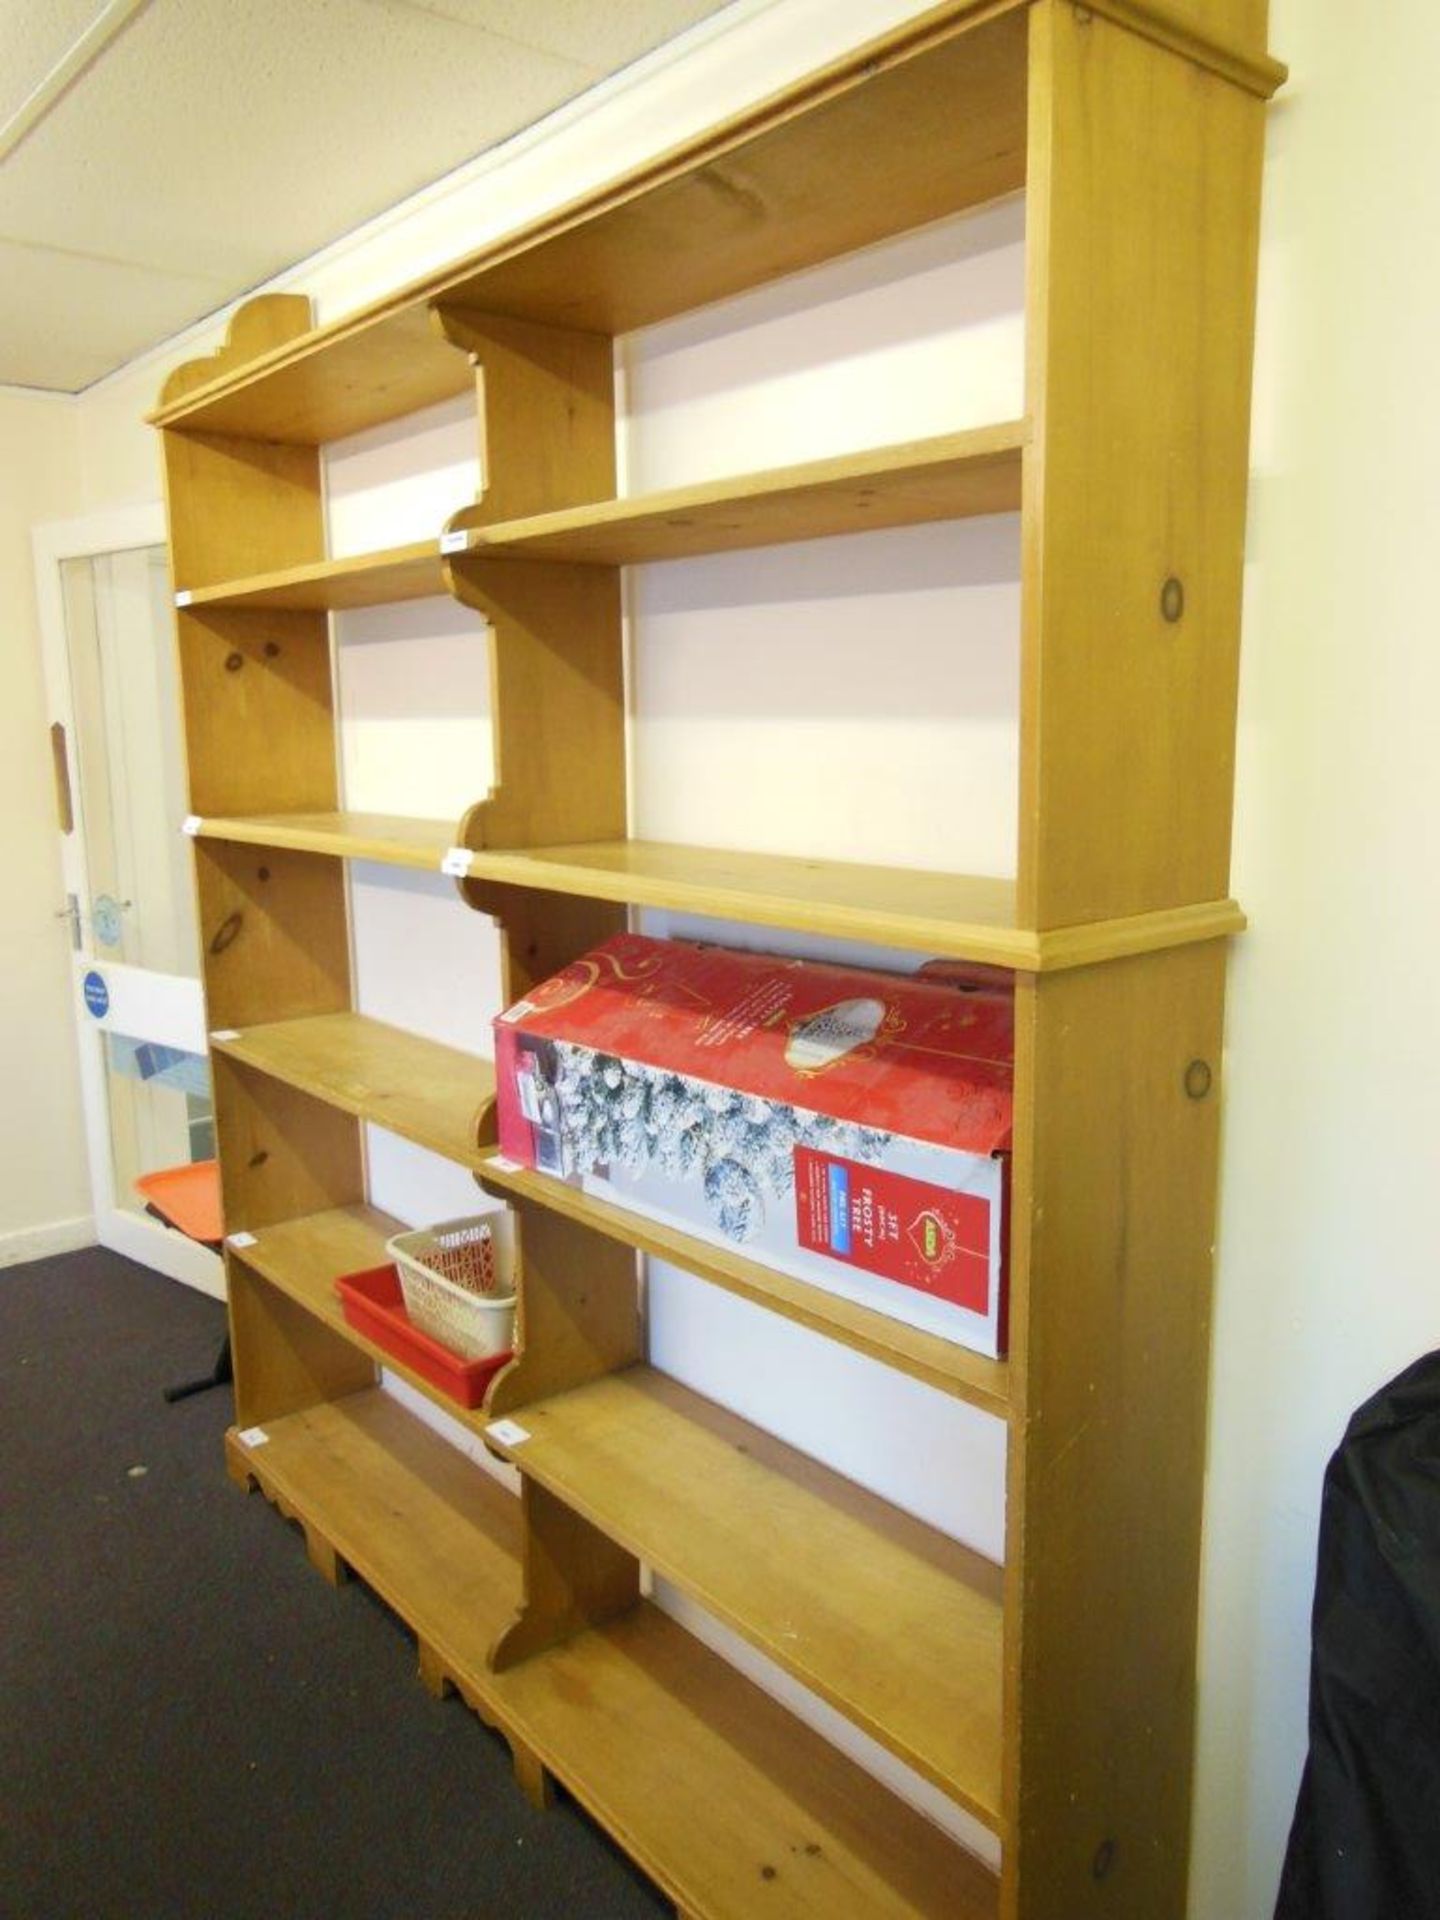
[[241, 1239], [502, 1163], [226, 1033], [455, 542], [191, 824], [457, 862], [184, 599], [253, 1436], [518, 1011], [507, 1433]]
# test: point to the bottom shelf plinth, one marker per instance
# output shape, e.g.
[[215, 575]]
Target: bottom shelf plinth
[[725, 1799]]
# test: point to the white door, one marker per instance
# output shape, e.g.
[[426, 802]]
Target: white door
[[105, 617]]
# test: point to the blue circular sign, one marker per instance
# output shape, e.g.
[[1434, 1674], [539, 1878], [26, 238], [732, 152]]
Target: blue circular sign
[[97, 994]]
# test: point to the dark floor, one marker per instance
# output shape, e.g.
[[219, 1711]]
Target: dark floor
[[191, 1721]]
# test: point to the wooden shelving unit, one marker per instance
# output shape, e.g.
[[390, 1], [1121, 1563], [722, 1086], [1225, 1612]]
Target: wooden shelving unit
[[1050, 1700]]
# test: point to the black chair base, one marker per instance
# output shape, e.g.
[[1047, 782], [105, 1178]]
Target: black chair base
[[221, 1376]]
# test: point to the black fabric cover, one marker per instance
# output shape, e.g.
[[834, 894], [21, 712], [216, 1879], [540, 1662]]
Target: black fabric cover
[[1365, 1844]]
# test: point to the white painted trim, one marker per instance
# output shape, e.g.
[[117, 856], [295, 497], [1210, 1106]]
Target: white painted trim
[[165, 1007], [113, 530], [116, 530], [85, 51], [164, 1250], [38, 1243]]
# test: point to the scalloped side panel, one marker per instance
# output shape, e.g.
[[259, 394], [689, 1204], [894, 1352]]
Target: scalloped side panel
[[270, 320]]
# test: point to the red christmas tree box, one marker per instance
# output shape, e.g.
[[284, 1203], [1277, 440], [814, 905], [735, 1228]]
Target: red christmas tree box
[[849, 1127]]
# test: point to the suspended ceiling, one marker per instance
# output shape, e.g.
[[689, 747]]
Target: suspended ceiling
[[159, 157]]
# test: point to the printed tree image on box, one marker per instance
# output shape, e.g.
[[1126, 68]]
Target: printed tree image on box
[[849, 1127]]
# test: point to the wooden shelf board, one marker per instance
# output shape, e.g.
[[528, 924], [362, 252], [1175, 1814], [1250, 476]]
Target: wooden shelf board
[[428, 1093], [727, 1801], [949, 477], [438, 1539], [944, 913], [924, 1356], [413, 572], [303, 1256], [895, 1625], [703, 1779], [396, 840], [955, 915]]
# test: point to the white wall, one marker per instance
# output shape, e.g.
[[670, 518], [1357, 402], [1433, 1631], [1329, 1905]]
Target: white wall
[[1330, 1219], [1325, 1271], [44, 1188]]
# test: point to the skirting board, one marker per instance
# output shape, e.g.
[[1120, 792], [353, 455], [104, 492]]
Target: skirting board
[[37, 1243]]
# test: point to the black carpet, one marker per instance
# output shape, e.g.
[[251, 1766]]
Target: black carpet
[[192, 1723]]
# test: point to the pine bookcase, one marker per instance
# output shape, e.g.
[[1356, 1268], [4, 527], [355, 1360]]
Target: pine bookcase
[[1051, 1698]]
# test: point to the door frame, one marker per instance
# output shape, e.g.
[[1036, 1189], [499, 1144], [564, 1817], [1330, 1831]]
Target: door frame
[[116, 530]]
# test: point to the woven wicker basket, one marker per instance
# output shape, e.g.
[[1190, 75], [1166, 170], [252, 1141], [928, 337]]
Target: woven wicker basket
[[448, 1275]]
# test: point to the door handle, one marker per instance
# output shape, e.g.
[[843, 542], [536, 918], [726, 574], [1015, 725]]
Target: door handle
[[71, 912], [60, 758]]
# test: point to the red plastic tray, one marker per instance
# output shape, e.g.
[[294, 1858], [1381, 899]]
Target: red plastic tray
[[374, 1305]]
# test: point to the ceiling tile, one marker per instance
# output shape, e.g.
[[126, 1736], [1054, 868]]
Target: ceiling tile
[[66, 320], [233, 139], [213, 144], [33, 40]]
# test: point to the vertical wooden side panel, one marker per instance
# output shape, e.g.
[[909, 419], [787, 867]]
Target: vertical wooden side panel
[[558, 701], [273, 932], [1116, 1154], [547, 420], [577, 1309], [547, 414], [574, 1577], [282, 1154], [239, 507], [259, 711], [1143, 219], [285, 1359], [540, 932]]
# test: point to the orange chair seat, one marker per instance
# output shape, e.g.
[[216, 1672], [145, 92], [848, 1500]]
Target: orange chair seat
[[187, 1198]]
